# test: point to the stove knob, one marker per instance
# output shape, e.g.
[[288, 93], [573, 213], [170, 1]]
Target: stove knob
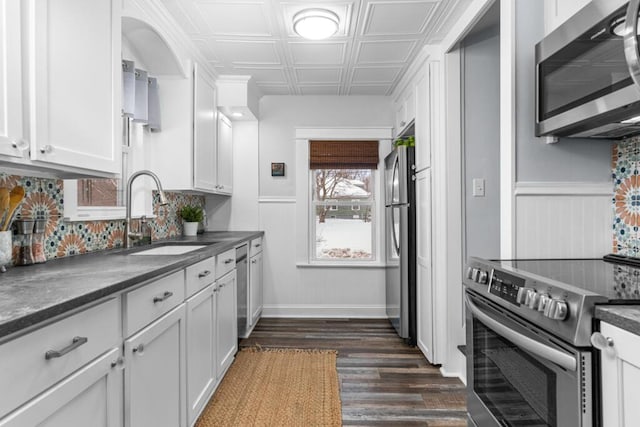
[[475, 274], [543, 301], [469, 273], [556, 309], [521, 298], [483, 277], [532, 299]]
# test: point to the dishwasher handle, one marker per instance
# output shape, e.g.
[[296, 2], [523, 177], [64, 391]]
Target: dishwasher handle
[[558, 357]]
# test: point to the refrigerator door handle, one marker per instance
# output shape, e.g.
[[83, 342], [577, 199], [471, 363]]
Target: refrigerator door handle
[[396, 243]]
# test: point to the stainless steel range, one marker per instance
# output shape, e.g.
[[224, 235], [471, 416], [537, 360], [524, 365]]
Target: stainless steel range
[[529, 322]]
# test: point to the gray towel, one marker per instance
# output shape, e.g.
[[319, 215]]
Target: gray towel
[[154, 105]]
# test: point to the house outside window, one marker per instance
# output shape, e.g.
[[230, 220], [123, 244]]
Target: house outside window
[[343, 200]]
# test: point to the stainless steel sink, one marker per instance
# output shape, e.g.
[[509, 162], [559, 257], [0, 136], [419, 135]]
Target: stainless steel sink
[[169, 250]]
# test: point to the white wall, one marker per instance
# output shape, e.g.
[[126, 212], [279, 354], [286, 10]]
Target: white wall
[[269, 203]]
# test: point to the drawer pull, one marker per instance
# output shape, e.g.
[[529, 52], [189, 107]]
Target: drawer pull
[[257, 245], [75, 343], [253, 261], [164, 296], [204, 274], [228, 261], [139, 349]]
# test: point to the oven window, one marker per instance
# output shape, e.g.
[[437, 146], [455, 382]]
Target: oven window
[[515, 387], [586, 69]]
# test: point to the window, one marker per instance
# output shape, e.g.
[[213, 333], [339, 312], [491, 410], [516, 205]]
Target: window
[[342, 177], [99, 198]]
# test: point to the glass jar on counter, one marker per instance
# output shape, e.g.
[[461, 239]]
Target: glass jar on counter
[[38, 241], [24, 240]]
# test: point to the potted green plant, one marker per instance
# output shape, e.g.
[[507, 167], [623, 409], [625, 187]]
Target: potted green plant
[[191, 215]]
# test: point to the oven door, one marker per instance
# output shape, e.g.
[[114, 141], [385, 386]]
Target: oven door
[[519, 375]]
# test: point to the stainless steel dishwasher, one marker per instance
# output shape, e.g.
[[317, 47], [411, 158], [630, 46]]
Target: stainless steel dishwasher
[[241, 276]]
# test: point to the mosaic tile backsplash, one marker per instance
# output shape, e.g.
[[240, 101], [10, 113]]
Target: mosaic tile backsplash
[[44, 199], [626, 199]]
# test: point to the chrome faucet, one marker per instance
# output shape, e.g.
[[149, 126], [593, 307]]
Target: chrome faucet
[[130, 237]]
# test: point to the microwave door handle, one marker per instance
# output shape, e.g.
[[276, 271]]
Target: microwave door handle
[[558, 357], [631, 41]]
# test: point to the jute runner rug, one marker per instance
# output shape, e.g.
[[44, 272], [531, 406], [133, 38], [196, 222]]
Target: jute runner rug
[[277, 387]]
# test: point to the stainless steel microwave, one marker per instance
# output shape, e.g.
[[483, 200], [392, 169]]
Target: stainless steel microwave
[[588, 74]]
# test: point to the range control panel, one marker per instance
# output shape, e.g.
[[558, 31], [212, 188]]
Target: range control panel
[[505, 286]]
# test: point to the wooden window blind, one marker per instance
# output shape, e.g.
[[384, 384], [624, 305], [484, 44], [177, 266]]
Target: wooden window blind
[[343, 155]]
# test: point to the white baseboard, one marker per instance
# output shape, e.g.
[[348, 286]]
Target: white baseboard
[[321, 311]]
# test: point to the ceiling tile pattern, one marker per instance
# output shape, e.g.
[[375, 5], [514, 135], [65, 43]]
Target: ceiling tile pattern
[[372, 50]]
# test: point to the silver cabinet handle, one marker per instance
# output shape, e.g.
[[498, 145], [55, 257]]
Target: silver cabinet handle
[[228, 261], [164, 296], [601, 342], [139, 349], [253, 261], [631, 41], [75, 343], [46, 149], [118, 362], [204, 274], [257, 245]]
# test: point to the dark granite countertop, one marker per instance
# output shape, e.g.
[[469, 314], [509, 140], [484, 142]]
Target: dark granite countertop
[[625, 317], [33, 294]]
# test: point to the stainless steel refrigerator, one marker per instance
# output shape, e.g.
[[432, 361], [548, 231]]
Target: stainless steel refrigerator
[[400, 232]]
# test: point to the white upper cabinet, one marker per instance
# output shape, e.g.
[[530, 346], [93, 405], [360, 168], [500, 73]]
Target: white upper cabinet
[[72, 51], [11, 125], [75, 56], [204, 133], [185, 154], [225, 155]]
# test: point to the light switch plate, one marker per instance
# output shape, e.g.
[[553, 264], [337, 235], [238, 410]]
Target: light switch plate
[[478, 187]]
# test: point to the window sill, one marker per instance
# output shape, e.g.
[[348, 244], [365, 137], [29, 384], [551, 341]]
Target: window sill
[[364, 264]]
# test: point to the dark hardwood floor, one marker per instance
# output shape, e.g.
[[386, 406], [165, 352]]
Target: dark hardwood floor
[[383, 381]]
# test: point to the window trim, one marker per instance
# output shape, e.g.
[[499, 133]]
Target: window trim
[[302, 187]]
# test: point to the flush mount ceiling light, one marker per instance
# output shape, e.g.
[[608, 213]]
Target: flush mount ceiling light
[[315, 24]]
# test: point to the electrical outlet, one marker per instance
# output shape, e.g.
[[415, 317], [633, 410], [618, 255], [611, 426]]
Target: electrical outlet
[[478, 187]]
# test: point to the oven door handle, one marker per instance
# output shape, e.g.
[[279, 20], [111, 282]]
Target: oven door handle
[[558, 357]]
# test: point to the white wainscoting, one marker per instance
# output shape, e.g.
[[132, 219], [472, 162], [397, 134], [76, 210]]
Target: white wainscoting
[[290, 291], [563, 220]]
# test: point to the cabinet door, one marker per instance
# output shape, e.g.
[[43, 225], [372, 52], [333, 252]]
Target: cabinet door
[[425, 306], [620, 370], [423, 122], [201, 350], [11, 125], [155, 373], [89, 397], [204, 132], [225, 155], [255, 288], [75, 83], [226, 322], [410, 104]]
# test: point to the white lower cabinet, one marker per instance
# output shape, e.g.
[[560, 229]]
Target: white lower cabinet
[[255, 288], [89, 397], [201, 350], [155, 383], [226, 322], [620, 377]]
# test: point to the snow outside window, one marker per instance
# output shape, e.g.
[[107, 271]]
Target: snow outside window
[[343, 219]]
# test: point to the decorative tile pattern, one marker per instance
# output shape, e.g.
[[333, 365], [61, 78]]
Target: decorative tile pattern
[[44, 199], [626, 198]]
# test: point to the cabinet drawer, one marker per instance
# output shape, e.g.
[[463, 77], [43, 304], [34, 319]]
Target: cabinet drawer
[[26, 370], [200, 275], [151, 301], [255, 246], [225, 262]]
